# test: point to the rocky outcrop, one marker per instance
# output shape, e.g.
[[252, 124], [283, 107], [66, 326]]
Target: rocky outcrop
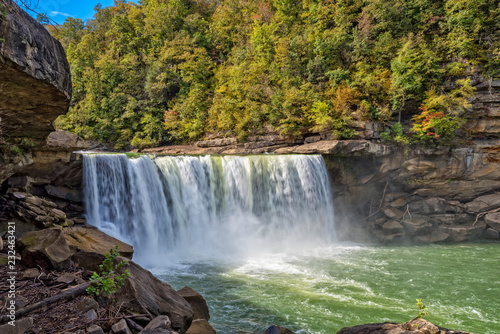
[[201, 316], [415, 326], [54, 175], [46, 248], [145, 294], [89, 246], [200, 326], [196, 301], [35, 210], [424, 196], [35, 89], [35, 76]]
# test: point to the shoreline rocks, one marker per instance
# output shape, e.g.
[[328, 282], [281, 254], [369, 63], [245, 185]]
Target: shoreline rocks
[[414, 326]]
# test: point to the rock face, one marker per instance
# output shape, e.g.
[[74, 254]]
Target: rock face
[[46, 248], [415, 326], [35, 89], [422, 196], [144, 293], [200, 326], [89, 246], [196, 301], [35, 75]]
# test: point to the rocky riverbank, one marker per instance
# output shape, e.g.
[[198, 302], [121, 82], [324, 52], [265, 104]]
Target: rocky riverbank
[[381, 193], [48, 293]]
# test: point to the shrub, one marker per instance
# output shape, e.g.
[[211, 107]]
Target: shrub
[[395, 135], [108, 281], [422, 308]]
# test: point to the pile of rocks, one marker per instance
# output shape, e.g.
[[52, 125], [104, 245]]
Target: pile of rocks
[[143, 305], [41, 212]]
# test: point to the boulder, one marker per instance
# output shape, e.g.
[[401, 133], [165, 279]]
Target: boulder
[[484, 203], [66, 140], [393, 213], [493, 220], [159, 325], [21, 327], [432, 238], [46, 248], [414, 326], [416, 226], [398, 203], [200, 326], [392, 227], [94, 329], [277, 330], [196, 301], [491, 234], [87, 304], [120, 327], [144, 293], [29, 273], [89, 246], [90, 315], [460, 233]]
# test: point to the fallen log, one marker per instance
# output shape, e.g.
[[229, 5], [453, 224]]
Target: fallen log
[[48, 302]]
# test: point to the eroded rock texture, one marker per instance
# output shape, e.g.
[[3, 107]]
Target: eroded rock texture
[[35, 87]]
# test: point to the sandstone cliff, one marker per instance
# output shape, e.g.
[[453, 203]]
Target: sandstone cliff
[[35, 87]]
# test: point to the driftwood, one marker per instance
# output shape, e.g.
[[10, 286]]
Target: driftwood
[[479, 215], [407, 211], [48, 302]]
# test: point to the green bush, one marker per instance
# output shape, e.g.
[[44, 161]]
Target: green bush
[[395, 135], [108, 281], [422, 308]]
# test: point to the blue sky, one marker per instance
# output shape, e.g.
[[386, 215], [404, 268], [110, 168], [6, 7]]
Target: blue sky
[[58, 10]]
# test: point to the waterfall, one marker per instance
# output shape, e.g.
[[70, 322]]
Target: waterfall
[[206, 205]]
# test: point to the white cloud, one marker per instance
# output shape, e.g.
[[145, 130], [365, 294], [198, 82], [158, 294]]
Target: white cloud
[[55, 13]]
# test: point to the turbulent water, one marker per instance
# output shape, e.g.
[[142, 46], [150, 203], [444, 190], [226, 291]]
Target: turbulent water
[[323, 289], [210, 206], [255, 236]]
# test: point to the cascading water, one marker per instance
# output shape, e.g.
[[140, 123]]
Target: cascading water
[[210, 205], [253, 236]]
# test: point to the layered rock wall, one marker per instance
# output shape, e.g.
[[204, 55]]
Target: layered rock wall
[[35, 87], [424, 196]]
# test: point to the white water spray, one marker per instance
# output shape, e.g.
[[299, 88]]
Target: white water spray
[[212, 205]]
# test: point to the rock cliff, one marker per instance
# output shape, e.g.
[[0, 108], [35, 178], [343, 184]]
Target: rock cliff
[[35, 86]]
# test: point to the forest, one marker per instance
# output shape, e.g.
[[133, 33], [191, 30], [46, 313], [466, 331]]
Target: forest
[[154, 72]]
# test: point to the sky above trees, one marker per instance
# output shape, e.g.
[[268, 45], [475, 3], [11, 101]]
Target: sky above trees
[[59, 10]]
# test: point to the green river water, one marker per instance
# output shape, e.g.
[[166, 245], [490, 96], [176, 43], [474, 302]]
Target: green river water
[[322, 290]]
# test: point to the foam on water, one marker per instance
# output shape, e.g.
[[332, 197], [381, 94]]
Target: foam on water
[[211, 207], [254, 236]]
